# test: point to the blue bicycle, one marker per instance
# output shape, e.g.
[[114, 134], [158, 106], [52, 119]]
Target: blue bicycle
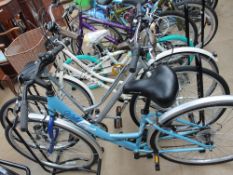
[[56, 137]]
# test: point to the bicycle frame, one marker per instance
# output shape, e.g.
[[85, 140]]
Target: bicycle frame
[[115, 82], [86, 16], [90, 72], [55, 105], [83, 24], [118, 93]]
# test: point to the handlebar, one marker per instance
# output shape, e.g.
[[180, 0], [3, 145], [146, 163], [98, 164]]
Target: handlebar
[[24, 110], [44, 60], [54, 28], [134, 61], [136, 47], [56, 3]]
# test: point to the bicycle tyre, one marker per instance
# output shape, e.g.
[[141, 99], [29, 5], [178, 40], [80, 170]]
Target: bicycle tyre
[[179, 15], [82, 96], [7, 107], [221, 146], [185, 58], [209, 12], [217, 78], [212, 3], [63, 147]]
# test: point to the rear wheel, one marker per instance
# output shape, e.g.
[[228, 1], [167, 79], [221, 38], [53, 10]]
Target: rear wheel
[[173, 22], [213, 85], [185, 58], [217, 134], [211, 3], [210, 20]]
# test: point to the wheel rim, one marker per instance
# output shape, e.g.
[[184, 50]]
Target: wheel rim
[[220, 136], [73, 153]]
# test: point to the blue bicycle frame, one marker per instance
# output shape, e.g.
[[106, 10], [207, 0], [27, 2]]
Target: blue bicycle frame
[[57, 106]]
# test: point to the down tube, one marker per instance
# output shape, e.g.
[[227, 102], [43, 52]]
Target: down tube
[[57, 105]]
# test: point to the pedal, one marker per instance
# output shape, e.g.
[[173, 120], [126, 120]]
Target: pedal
[[202, 151], [149, 156], [97, 111], [121, 100], [136, 156], [157, 162], [118, 119]]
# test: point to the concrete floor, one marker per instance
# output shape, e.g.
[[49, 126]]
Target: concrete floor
[[118, 161]]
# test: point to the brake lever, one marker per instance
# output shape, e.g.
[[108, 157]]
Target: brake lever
[[69, 10]]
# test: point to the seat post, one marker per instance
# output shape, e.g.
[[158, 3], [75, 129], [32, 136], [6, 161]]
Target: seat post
[[146, 109]]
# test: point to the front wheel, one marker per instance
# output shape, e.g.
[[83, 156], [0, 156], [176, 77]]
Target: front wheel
[[188, 122], [70, 151]]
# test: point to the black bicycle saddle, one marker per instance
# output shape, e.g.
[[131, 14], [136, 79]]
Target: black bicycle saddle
[[161, 87]]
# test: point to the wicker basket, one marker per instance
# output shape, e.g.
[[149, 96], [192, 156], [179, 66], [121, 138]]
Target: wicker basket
[[25, 48]]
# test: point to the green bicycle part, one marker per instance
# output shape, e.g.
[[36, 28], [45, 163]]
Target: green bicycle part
[[174, 38], [178, 38], [84, 4], [93, 86], [84, 57], [88, 58]]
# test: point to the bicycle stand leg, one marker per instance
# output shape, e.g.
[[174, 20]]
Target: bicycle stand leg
[[54, 172], [99, 167]]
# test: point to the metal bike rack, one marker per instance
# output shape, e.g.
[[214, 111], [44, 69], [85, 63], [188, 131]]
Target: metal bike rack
[[14, 165], [198, 60], [53, 171]]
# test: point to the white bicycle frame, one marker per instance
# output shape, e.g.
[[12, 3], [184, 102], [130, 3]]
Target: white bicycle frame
[[92, 76]]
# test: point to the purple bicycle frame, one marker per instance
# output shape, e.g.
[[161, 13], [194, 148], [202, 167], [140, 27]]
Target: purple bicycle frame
[[83, 24]]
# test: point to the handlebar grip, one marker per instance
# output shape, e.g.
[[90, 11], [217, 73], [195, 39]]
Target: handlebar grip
[[134, 61], [139, 11], [24, 116], [67, 42], [59, 48]]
